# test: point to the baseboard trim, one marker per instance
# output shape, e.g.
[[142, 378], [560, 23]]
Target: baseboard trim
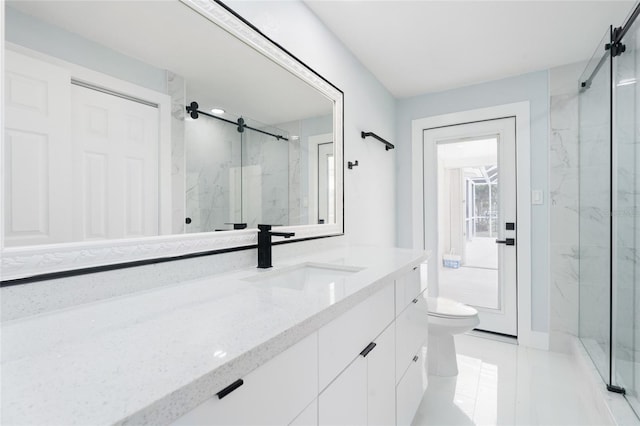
[[534, 339]]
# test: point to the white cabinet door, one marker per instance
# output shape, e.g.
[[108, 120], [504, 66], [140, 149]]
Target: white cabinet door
[[409, 286], [410, 389], [342, 339], [344, 402], [309, 417], [411, 333], [382, 380], [273, 394], [37, 157]]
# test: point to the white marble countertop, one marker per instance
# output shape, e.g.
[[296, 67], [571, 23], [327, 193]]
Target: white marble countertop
[[151, 356]]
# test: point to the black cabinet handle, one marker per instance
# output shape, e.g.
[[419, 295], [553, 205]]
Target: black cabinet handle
[[415, 267], [368, 349], [415, 358], [233, 386], [414, 301]]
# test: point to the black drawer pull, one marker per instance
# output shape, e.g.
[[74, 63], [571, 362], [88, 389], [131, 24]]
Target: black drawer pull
[[415, 358], [414, 301], [368, 349], [233, 386]]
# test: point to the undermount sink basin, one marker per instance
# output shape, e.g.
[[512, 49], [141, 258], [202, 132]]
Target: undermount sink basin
[[306, 276]]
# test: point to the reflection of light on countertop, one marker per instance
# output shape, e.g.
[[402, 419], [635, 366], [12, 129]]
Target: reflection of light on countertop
[[219, 354], [332, 293], [626, 82]]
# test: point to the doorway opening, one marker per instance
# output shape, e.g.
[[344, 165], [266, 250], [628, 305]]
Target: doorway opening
[[467, 220], [475, 218]]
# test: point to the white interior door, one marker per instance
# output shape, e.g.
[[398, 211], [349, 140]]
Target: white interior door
[[475, 244], [37, 156], [326, 208], [313, 146], [116, 173]]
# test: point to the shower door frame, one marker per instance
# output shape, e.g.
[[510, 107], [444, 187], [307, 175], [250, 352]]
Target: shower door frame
[[613, 49]]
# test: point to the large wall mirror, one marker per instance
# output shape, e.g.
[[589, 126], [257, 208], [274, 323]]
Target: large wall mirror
[[139, 130]]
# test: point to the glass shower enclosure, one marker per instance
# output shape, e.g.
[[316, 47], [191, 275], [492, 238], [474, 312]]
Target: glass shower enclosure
[[609, 209]]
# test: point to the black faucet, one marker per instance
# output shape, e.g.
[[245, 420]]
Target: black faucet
[[264, 244]]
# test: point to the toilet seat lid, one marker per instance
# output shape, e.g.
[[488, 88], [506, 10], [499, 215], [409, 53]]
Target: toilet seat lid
[[443, 307]]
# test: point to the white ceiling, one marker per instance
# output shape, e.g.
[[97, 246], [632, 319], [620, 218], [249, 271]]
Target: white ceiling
[[219, 70], [417, 47]]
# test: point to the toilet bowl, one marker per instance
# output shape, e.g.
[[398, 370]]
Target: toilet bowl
[[446, 318]]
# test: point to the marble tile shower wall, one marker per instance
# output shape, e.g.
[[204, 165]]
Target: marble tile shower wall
[[212, 152], [563, 194], [594, 154], [177, 90], [272, 157]]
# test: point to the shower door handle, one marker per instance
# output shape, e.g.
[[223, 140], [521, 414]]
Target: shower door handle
[[507, 241]]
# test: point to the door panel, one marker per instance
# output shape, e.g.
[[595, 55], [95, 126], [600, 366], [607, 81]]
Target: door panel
[[37, 156], [476, 187], [325, 158], [116, 166]]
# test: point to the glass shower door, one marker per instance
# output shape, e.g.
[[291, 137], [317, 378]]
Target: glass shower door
[[626, 218], [594, 247]]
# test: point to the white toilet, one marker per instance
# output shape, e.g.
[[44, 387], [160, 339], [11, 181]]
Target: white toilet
[[446, 318]]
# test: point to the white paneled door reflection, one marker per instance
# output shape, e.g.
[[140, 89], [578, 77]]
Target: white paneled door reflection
[[37, 156], [80, 164], [115, 171]]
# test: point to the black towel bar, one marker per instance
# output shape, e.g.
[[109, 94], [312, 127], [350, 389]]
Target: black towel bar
[[387, 145]]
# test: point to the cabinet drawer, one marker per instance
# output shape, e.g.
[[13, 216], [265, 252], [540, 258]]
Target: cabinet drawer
[[410, 389], [411, 333], [272, 394], [344, 401], [409, 286], [342, 340]]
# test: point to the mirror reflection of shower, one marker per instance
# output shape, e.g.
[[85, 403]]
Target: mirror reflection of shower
[[241, 172]]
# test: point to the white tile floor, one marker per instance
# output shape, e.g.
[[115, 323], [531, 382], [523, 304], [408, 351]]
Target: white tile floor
[[505, 384]]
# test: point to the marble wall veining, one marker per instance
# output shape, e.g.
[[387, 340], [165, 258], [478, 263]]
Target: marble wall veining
[[212, 152], [272, 157], [595, 196], [177, 90], [564, 218]]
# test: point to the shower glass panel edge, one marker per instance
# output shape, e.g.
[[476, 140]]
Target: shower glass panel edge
[[626, 218], [594, 204]]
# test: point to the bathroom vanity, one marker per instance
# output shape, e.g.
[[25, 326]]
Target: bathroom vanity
[[334, 337]]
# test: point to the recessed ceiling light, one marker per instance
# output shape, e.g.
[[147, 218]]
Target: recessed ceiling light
[[217, 111]]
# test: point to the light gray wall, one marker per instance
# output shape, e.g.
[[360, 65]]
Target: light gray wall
[[532, 87], [43, 37], [369, 188]]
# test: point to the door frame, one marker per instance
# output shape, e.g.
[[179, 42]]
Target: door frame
[[521, 112], [313, 142], [502, 319]]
